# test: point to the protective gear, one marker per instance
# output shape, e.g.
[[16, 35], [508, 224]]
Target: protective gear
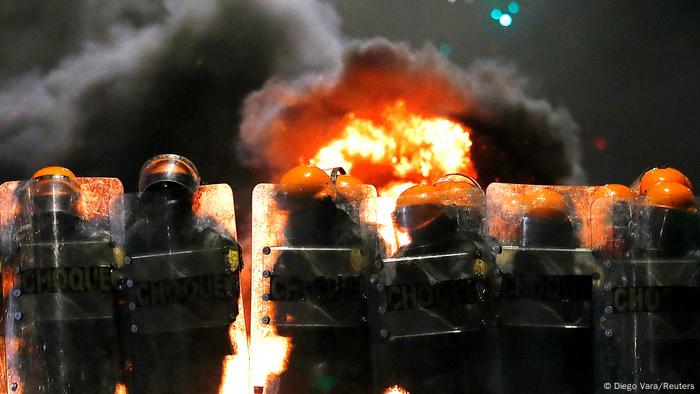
[[312, 261], [545, 295], [611, 205], [168, 169], [460, 190], [344, 181], [303, 181], [431, 309], [417, 207], [180, 279], [61, 329], [662, 174], [546, 222], [670, 195], [53, 171], [614, 191], [645, 304], [464, 199]]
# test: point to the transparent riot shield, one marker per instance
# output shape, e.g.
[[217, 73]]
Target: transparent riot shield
[[179, 287], [646, 306], [60, 329], [548, 271], [310, 257], [430, 301]]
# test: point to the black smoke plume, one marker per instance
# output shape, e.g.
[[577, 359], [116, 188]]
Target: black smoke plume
[[517, 138]]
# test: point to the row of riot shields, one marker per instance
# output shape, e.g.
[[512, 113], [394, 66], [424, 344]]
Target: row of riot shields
[[106, 292], [501, 295]]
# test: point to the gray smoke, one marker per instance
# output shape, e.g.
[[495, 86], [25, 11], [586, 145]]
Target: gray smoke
[[517, 138], [101, 86]]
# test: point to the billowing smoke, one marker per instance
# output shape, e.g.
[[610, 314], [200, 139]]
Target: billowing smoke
[[101, 86], [516, 138]]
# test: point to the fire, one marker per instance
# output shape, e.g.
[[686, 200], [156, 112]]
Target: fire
[[236, 369], [396, 390], [394, 149], [120, 388], [270, 358], [397, 147]]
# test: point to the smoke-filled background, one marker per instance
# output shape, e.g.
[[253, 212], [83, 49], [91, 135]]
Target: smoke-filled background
[[596, 90]]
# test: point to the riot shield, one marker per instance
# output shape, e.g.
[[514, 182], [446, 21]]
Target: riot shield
[[547, 271], [647, 316], [310, 255], [430, 301], [179, 287], [60, 329]]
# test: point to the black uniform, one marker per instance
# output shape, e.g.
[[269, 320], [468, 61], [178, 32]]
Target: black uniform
[[180, 295]]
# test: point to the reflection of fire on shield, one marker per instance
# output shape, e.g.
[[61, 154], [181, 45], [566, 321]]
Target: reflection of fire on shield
[[179, 282], [310, 256], [60, 328], [430, 303], [548, 272], [647, 309]]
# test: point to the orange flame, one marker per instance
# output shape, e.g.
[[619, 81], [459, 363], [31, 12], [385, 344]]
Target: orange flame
[[395, 149], [236, 376], [120, 388], [398, 146], [396, 390]]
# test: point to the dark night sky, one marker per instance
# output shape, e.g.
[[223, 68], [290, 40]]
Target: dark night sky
[[628, 71]]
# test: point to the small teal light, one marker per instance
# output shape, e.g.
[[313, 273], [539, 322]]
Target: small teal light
[[513, 8], [496, 14], [445, 49], [505, 20]]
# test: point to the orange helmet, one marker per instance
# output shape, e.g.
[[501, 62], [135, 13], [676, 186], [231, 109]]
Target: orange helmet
[[307, 181], [543, 202], [670, 195], [417, 206], [614, 191], [459, 190], [347, 186], [52, 171], [53, 189], [662, 174]]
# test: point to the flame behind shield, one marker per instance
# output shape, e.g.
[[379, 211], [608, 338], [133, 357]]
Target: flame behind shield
[[396, 390]]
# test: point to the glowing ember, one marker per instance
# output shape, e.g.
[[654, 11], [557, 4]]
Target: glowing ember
[[396, 390], [398, 146]]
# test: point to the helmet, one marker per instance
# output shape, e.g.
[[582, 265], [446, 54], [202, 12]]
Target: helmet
[[615, 191], [53, 189], [346, 186], [417, 207], [662, 174], [460, 190], [545, 223], [545, 203], [52, 171], [670, 195], [303, 181], [162, 170]]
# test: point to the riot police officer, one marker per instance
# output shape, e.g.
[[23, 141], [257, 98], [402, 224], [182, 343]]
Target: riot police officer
[[327, 357], [61, 332], [429, 318], [179, 283]]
